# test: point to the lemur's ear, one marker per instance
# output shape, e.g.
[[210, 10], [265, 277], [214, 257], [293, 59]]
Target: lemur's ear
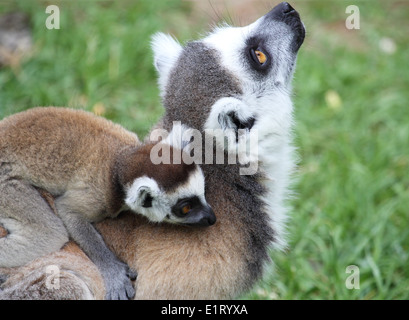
[[145, 197], [166, 51], [141, 193], [180, 136]]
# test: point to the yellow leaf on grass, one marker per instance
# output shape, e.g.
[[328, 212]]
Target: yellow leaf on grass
[[333, 100]]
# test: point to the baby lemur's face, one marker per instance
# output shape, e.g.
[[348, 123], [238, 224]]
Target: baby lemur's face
[[182, 204]]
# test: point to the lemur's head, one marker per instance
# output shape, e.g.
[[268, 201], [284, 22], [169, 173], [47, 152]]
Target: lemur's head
[[252, 66], [173, 193]]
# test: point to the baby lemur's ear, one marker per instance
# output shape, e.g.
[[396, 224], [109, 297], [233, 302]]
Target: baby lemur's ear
[[141, 193], [181, 136], [166, 51], [145, 197]]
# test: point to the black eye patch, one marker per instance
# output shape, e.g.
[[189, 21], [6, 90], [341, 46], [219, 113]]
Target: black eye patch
[[254, 45]]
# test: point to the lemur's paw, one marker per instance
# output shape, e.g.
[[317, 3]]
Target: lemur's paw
[[230, 113], [231, 121], [3, 278], [132, 274], [118, 283]]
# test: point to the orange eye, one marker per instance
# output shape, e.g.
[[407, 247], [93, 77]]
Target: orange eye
[[186, 209], [260, 56]]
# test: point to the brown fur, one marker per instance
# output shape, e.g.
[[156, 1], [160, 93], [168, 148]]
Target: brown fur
[[78, 278], [178, 262], [194, 259], [88, 155], [173, 262], [168, 176]]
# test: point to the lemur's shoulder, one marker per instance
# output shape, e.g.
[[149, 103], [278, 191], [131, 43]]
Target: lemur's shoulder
[[40, 122]]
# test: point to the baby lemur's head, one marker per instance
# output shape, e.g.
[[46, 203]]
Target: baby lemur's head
[[166, 192]]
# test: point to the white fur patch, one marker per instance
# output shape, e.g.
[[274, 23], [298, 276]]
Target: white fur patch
[[230, 42], [166, 51], [194, 186]]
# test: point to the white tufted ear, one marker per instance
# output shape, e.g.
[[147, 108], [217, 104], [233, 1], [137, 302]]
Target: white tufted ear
[[166, 51], [141, 193]]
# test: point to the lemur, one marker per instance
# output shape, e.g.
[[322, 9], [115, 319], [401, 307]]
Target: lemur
[[94, 169], [235, 77]]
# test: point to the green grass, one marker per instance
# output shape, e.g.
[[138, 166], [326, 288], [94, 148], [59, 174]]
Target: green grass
[[100, 57], [352, 204], [352, 133]]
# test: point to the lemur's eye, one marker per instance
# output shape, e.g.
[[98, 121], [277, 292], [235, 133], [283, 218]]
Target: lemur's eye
[[186, 209], [260, 56]]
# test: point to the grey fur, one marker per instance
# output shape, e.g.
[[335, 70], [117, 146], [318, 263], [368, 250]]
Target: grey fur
[[195, 84], [3, 279], [207, 82], [32, 235]]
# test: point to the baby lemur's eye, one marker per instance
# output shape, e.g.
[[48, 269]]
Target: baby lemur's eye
[[186, 206], [186, 209]]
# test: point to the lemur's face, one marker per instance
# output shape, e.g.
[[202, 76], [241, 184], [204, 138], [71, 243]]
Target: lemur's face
[[185, 204], [235, 78]]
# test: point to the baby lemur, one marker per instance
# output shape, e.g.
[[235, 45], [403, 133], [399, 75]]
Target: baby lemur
[[94, 169]]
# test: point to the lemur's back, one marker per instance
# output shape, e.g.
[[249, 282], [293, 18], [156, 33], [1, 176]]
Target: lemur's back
[[71, 154], [57, 144]]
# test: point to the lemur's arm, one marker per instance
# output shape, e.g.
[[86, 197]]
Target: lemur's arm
[[115, 273]]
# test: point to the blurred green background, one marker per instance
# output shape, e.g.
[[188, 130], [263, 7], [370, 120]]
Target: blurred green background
[[351, 93]]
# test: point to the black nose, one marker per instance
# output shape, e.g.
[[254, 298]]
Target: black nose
[[208, 219], [284, 12], [202, 216], [287, 8]]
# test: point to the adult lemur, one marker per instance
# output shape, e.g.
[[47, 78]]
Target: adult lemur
[[236, 78]]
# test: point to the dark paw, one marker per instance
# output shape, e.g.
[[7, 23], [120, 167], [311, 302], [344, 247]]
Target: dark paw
[[132, 274], [241, 124], [122, 290], [118, 283], [3, 279], [232, 121]]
